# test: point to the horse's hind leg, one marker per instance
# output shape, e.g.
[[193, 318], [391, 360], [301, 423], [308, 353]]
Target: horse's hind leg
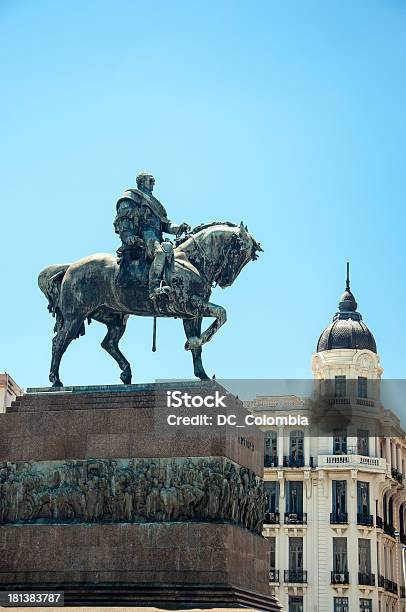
[[193, 329], [116, 324], [67, 331]]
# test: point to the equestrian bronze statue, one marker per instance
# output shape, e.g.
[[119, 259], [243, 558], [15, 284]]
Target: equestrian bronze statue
[[178, 283]]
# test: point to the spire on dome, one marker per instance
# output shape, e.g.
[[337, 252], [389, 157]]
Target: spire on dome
[[347, 302], [347, 331]]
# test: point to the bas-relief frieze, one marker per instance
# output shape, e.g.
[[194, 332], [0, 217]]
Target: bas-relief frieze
[[131, 490]]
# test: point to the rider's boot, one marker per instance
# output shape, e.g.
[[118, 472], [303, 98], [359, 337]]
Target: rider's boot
[[157, 286]]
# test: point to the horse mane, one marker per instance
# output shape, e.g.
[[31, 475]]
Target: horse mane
[[201, 227]]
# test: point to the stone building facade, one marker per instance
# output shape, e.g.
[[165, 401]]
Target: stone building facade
[[336, 498], [9, 390]]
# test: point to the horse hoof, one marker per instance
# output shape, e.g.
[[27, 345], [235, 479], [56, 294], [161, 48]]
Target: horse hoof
[[57, 383], [202, 375], [126, 376]]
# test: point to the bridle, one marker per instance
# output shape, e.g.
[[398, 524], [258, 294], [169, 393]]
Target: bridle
[[217, 274]]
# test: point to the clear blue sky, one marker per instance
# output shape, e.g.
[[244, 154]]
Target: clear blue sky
[[288, 115]]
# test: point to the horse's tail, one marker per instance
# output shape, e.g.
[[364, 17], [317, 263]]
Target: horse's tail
[[49, 281]]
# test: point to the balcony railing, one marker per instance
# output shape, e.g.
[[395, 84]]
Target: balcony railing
[[338, 518], [379, 522], [397, 475], [292, 518], [351, 460], [295, 576], [365, 519], [270, 462], [381, 581], [291, 461], [362, 401], [271, 518], [390, 586], [339, 401], [402, 592], [340, 577], [389, 529], [273, 575], [366, 579]]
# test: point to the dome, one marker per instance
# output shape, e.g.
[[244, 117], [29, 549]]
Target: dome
[[347, 331]]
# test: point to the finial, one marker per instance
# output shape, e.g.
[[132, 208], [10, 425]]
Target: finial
[[347, 286]]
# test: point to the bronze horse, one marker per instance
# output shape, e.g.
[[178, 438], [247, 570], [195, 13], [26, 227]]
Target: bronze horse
[[212, 254]]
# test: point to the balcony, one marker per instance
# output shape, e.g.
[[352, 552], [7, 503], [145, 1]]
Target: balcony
[[271, 518], [381, 581], [403, 592], [340, 578], [379, 522], [366, 579], [271, 462], [338, 518], [367, 520], [352, 461], [295, 576], [292, 518], [293, 462], [273, 575], [346, 401], [397, 475], [390, 586], [389, 530]]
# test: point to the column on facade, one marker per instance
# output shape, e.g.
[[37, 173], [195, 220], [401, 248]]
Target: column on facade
[[306, 449], [399, 458], [280, 446], [388, 453], [393, 454]]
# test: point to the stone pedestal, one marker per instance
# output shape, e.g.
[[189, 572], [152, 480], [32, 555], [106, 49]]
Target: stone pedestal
[[103, 500]]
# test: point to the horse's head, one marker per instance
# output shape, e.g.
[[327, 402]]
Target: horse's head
[[241, 249]]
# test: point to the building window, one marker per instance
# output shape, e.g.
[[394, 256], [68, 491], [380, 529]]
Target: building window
[[272, 553], [340, 386], [362, 386], [295, 603], [341, 604], [364, 557], [271, 449], [365, 605], [294, 501], [295, 554], [363, 498], [363, 442], [339, 499], [296, 447], [340, 565], [272, 496], [339, 442]]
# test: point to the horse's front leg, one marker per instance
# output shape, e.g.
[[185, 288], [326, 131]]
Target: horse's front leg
[[208, 310], [193, 330]]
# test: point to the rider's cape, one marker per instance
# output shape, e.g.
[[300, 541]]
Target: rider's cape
[[140, 197]]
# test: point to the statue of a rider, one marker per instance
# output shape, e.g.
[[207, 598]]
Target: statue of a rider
[[141, 220]]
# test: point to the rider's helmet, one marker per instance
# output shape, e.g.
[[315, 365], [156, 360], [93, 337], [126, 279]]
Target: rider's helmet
[[145, 179]]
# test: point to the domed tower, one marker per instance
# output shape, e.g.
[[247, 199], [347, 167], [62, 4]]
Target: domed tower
[[346, 347]]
